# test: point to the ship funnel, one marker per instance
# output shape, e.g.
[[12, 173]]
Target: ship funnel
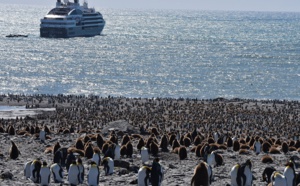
[[58, 3]]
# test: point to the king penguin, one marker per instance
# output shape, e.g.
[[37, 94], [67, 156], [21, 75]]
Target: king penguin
[[45, 175], [42, 136], [257, 147], [14, 151], [144, 176], [73, 174], [96, 157], [289, 173], [81, 170], [60, 156], [233, 174], [57, 173], [144, 154], [267, 174], [108, 165], [202, 175], [35, 168], [241, 175], [117, 152], [278, 179], [210, 172], [157, 173], [93, 175], [214, 159], [27, 172], [70, 158]]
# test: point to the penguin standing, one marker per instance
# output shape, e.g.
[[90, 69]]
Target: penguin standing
[[70, 159], [144, 154], [93, 175], [241, 175], [144, 176], [233, 174], [108, 165], [73, 174], [156, 173], [210, 172], [45, 175], [81, 170], [164, 142], [117, 152], [278, 179], [214, 159], [60, 156], [27, 172], [229, 143], [178, 135], [129, 149], [289, 173], [109, 152], [35, 168], [14, 151], [201, 175], [96, 156], [57, 173], [216, 136], [267, 174], [42, 136], [182, 152], [257, 147]]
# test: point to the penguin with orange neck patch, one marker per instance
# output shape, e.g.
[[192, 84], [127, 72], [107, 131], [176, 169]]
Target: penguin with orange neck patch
[[144, 176], [93, 174], [241, 175], [57, 173], [44, 174], [278, 179], [35, 168], [73, 174], [108, 164], [214, 159], [96, 156], [289, 173], [267, 174]]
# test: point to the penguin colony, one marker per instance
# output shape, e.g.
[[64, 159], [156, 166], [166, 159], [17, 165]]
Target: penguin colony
[[190, 128]]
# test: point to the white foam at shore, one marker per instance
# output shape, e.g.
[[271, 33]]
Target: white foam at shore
[[11, 112]]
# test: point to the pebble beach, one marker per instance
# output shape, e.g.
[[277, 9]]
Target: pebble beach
[[72, 117]]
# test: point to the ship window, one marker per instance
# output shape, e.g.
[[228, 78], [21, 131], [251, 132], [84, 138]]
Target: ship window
[[75, 12], [59, 11]]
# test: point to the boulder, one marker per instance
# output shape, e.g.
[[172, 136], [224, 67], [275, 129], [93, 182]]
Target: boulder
[[118, 126], [122, 164], [6, 175]]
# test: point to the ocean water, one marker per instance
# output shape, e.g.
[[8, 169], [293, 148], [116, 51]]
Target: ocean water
[[156, 53]]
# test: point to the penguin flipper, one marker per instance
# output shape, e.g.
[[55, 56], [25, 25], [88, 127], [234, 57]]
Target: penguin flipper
[[193, 180]]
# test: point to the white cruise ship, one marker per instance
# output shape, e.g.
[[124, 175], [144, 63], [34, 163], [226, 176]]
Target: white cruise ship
[[70, 19]]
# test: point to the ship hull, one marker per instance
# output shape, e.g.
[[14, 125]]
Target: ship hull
[[53, 32]]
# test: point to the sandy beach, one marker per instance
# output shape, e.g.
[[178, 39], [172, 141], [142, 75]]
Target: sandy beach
[[275, 121]]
